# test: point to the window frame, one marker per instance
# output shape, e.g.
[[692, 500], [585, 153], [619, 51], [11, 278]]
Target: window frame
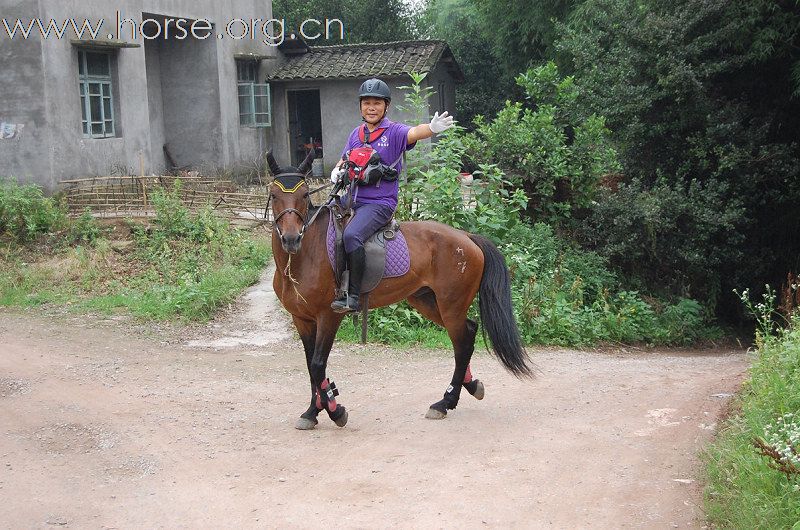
[[252, 96], [104, 91]]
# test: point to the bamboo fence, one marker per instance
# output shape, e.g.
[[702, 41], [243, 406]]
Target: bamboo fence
[[131, 196]]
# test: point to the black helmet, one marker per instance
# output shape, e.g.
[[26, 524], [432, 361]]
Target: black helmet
[[375, 88]]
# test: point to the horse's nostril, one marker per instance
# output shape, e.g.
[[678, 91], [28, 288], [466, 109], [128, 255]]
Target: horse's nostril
[[290, 241]]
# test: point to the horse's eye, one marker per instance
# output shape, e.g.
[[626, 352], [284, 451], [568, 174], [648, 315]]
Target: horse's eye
[[305, 195], [271, 195]]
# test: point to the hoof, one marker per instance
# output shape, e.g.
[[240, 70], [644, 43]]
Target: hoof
[[341, 421], [479, 390], [304, 424], [434, 414], [475, 387]]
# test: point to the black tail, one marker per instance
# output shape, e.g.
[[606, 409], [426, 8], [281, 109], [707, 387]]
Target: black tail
[[497, 313]]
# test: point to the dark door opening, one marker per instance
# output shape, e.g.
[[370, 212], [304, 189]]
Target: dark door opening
[[305, 124]]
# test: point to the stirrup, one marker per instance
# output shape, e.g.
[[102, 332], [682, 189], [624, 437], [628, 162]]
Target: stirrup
[[338, 304], [347, 304]]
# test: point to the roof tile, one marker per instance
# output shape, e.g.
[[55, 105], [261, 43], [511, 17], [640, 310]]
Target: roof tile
[[385, 59]]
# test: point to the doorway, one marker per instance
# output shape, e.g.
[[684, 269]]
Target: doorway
[[305, 124]]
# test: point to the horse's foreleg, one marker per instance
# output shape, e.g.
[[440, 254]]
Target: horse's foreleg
[[463, 337], [307, 329], [325, 390]]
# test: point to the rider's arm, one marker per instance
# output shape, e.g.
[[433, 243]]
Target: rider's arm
[[438, 124], [420, 132]]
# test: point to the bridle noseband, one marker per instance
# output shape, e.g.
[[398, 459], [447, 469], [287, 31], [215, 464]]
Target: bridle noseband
[[284, 212]]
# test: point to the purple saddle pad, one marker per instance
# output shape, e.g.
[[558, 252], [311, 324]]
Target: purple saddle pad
[[398, 261]]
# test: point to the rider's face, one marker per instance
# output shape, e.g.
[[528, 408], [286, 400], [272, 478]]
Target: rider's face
[[373, 109]]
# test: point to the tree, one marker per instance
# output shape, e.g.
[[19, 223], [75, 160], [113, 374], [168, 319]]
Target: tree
[[522, 32], [363, 20], [493, 41], [703, 91], [486, 83]]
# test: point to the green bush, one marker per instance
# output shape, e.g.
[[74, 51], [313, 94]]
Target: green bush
[[436, 193], [562, 294], [745, 490], [668, 238], [26, 213], [566, 295], [84, 229], [549, 147], [186, 264], [703, 90], [196, 261]]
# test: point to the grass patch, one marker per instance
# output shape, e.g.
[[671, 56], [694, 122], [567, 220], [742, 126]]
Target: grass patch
[[182, 265], [747, 489], [401, 325], [398, 325]]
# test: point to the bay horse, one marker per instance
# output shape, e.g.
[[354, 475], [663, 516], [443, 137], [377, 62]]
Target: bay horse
[[449, 268]]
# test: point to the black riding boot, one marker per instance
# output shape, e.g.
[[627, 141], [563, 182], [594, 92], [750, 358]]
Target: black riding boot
[[357, 261]]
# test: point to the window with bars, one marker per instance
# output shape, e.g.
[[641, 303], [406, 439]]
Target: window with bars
[[97, 95], [255, 104]]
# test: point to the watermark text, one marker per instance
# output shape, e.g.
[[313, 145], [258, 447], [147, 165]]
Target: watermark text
[[272, 31]]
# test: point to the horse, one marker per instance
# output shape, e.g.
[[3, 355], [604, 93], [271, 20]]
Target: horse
[[448, 269]]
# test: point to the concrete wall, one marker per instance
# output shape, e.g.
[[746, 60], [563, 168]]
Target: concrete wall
[[155, 105], [438, 76], [340, 114], [192, 125], [22, 99], [186, 97]]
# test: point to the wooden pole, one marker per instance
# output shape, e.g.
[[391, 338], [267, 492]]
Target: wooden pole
[[142, 181]]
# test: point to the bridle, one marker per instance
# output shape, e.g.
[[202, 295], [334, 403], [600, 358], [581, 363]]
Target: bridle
[[306, 223]]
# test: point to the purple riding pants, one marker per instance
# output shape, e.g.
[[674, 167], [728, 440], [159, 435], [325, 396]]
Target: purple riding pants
[[368, 219]]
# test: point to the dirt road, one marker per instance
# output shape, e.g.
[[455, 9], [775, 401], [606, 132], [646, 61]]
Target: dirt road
[[105, 424]]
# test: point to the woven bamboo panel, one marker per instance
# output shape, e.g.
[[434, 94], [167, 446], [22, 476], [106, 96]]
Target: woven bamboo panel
[[131, 196]]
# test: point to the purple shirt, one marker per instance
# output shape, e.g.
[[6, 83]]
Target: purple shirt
[[390, 146]]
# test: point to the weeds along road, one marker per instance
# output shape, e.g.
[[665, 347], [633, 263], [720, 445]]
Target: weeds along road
[[104, 423]]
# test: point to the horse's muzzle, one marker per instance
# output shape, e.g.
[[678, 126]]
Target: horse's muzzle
[[291, 243]]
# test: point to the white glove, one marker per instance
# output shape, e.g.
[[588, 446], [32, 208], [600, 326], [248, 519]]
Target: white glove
[[336, 174], [441, 123]]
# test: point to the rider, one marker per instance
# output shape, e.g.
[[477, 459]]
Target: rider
[[375, 203]]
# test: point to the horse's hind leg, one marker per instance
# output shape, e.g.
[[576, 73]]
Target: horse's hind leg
[[462, 333], [474, 386], [463, 337]]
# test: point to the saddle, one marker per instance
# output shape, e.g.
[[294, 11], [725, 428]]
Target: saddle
[[386, 257]]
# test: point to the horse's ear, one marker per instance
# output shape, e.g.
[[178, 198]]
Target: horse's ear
[[306, 165], [274, 168]]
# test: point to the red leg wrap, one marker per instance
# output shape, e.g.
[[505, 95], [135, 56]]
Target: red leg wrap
[[468, 376], [329, 403]]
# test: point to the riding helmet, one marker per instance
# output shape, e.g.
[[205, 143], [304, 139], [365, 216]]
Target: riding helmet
[[375, 88]]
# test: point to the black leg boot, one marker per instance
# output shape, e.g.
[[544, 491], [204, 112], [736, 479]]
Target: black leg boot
[[358, 262], [340, 302]]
